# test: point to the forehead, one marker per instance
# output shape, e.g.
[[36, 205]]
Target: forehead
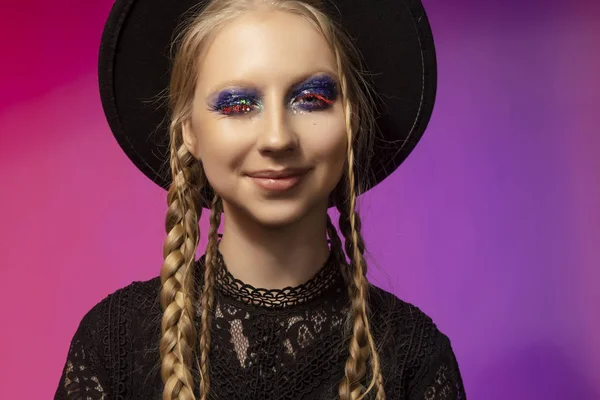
[[265, 48]]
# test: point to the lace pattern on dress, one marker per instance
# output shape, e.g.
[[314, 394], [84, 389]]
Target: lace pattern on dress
[[438, 377], [275, 352], [80, 382]]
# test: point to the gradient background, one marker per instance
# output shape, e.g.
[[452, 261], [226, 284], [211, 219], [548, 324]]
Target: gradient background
[[491, 226]]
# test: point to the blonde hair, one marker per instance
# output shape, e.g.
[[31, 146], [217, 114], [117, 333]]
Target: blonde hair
[[185, 199]]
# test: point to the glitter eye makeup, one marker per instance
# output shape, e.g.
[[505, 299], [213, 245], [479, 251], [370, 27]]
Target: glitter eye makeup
[[316, 93], [235, 101]]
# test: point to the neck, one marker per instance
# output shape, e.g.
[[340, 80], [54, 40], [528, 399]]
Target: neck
[[274, 257]]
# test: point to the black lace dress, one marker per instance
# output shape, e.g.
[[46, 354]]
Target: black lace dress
[[266, 344]]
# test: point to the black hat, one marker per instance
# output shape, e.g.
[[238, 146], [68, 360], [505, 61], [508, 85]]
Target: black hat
[[393, 37]]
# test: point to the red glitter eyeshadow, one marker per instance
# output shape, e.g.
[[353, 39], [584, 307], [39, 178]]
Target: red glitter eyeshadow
[[236, 109], [318, 97]]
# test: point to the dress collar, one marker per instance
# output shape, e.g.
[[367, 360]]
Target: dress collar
[[329, 275]]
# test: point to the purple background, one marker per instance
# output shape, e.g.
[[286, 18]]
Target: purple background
[[491, 226]]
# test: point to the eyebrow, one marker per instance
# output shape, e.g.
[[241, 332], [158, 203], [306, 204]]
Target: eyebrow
[[243, 85]]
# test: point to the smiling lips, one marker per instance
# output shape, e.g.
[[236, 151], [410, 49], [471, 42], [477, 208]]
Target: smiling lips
[[278, 180]]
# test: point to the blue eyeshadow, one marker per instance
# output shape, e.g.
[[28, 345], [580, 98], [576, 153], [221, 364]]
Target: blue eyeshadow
[[229, 96], [315, 93], [324, 85]]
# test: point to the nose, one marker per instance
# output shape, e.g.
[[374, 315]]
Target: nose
[[277, 134]]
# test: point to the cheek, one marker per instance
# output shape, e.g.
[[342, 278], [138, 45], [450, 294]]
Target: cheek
[[221, 148], [324, 139]]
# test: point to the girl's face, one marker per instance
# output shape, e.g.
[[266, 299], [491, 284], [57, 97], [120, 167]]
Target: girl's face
[[267, 119]]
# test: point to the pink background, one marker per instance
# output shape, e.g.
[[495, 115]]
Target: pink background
[[491, 226]]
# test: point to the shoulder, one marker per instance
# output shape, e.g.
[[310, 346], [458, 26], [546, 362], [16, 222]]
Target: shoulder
[[109, 340], [121, 306], [401, 318], [397, 314], [412, 339], [138, 295]]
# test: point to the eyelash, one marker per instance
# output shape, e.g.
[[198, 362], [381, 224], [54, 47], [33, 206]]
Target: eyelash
[[238, 107], [322, 101], [243, 106]]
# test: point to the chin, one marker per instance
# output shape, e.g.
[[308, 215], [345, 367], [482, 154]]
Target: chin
[[273, 214], [278, 214]]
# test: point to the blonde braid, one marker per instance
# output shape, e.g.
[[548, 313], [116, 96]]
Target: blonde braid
[[361, 330], [208, 295], [362, 344], [177, 276]]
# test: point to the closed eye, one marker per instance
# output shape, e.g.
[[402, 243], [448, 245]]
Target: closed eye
[[235, 101], [237, 107]]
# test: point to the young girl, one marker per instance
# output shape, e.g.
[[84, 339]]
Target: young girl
[[272, 120]]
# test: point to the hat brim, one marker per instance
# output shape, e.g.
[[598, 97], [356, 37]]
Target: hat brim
[[393, 36]]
